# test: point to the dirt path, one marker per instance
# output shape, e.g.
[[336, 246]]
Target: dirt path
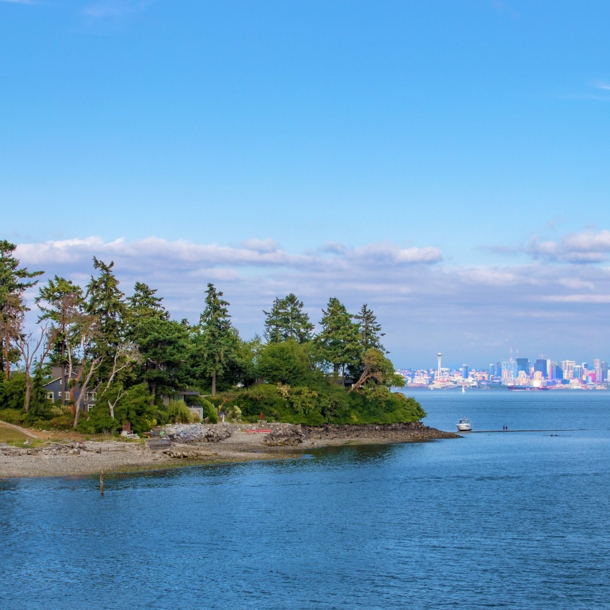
[[19, 429]]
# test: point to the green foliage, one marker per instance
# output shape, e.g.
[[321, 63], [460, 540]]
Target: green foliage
[[133, 406], [12, 416], [369, 329], [287, 320], [323, 402], [12, 392], [178, 412], [339, 341], [215, 341], [285, 362], [209, 411], [107, 304]]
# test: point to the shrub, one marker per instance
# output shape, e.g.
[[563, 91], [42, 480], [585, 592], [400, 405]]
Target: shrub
[[209, 411], [178, 412], [12, 416]]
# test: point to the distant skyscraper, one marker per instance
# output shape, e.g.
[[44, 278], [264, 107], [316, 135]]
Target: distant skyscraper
[[542, 366], [523, 364], [491, 370], [604, 371], [439, 356], [509, 372], [567, 366], [597, 367], [465, 371]]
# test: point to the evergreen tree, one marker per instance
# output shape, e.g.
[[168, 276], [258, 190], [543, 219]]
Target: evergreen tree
[[161, 342], [370, 330], [287, 320], [339, 341], [106, 303], [144, 303], [60, 302], [214, 342], [14, 281]]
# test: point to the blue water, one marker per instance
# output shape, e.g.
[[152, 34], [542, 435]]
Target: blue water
[[493, 520]]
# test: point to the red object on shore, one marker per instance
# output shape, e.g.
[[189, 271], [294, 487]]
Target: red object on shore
[[261, 417], [258, 431]]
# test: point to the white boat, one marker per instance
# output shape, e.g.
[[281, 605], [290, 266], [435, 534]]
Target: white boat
[[463, 389], [464, 425]]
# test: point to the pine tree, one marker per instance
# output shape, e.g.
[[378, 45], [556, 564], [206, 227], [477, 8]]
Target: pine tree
[[14, 281], [214, 342], [161, 342], [106, 302], [370, 331], [287, 320], [338, 343], [143, 302], [60, 301]]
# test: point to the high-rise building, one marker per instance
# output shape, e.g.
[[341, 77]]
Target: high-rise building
[[491, 369], [567, 366], [542, 366], [465, 371], [557, 371], [523, 364], [604, 371], [597, 367], [509, 372]]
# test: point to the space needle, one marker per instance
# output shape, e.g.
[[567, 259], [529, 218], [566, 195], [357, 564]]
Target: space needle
[[439, 356]]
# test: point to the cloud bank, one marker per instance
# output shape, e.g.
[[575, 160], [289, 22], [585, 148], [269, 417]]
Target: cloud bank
[[477, 312]]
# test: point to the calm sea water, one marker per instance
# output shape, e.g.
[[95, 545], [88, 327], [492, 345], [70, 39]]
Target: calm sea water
[[494, 520]]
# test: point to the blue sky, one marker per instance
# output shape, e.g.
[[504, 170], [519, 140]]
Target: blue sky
[[444, 161]]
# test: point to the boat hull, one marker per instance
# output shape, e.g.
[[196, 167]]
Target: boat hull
[[464, 428]]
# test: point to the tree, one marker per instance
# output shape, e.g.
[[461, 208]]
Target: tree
[[285, 362], [370, 330], [14, 281], [60, 301], [144, 303], [29, 348], [379, 369], [106, 302], [339, 341], [287, 320], [161, 342], [214, 341]]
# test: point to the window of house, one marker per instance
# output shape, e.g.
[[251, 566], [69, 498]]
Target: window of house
[[50, 396], [91, 396]]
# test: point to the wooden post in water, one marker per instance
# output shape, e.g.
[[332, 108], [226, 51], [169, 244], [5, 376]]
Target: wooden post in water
[[102, 482]]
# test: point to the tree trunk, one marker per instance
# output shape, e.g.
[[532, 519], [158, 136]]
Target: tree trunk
[[64, 384], [28, 394], [213, 383], [7, 364], [153, 392]]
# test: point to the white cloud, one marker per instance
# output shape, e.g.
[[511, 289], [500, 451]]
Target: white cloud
[[423, 303], [578, 248]]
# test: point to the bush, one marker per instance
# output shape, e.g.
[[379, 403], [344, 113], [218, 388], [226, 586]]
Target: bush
[[323, 402], [209, 411], [12, 416], [178, 412]]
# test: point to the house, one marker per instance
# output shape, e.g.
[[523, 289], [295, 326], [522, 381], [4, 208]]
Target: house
[[54, 389]]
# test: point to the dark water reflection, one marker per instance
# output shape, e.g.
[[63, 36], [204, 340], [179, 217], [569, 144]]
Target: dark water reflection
[[493, 520]]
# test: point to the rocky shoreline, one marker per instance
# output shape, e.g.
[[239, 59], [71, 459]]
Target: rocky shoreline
[[197, 444]]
